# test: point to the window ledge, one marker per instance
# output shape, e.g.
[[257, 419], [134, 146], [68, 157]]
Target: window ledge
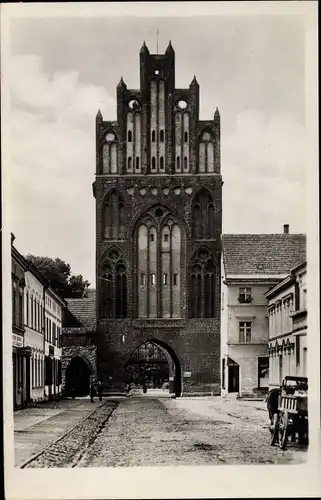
[[300, 312], [253, 342]]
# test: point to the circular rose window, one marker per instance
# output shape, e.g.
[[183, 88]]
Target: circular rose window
[[133, 104], [110, 137], [182, 104]]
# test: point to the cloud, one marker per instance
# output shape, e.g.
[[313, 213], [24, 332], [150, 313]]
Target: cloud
[[263, 172], [52, 167]]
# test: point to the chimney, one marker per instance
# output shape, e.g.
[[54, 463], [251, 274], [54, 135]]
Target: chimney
[[286, 228]]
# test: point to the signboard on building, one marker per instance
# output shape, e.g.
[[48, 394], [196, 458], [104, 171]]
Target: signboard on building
[[17, 340], [187, 374]]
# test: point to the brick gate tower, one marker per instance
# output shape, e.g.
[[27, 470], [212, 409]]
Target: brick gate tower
[[158, 192]]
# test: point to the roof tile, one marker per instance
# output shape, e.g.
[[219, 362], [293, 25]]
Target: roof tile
[[250, 254]]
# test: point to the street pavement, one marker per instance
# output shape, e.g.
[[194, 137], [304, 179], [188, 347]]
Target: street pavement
[[154, 429]]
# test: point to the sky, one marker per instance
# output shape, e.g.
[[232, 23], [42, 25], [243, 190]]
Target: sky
[[63, 69]]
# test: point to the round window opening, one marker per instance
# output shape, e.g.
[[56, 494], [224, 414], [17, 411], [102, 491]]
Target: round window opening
[[133, 104], [156, 72], [158, 212], [110, 137], [182, 104]]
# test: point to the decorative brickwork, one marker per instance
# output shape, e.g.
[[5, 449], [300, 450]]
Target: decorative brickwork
[[168, 174]]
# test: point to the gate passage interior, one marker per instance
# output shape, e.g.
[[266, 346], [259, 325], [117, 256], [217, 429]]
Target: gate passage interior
[[153, 364]]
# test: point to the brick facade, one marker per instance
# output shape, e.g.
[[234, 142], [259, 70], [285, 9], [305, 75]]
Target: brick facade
[[169, 181]]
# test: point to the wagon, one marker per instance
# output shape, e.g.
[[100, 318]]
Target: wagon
[[289, 418]]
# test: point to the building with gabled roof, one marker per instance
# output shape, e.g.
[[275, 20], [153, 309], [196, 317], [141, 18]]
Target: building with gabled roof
[[251, 265]]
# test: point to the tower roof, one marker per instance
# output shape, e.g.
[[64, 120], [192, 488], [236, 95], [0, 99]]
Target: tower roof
[[169, 49], [144, 48]]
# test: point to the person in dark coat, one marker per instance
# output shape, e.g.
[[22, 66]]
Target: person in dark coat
[[100, 390], [92, 392]]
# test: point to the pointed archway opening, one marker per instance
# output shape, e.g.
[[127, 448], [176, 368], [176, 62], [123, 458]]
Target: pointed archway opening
[[155, 364], [78, 377]]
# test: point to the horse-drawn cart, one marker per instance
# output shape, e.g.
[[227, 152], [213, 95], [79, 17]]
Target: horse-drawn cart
[[288, 411]]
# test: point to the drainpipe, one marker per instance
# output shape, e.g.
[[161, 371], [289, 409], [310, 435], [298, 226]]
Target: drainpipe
[[44, 338]]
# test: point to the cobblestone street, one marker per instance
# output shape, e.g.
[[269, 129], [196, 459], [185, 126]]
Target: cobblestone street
[[150, 429]]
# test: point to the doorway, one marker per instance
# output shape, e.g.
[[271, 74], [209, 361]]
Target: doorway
[[77, 377], [234, 378]]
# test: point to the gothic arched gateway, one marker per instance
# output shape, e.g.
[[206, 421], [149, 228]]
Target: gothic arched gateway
[[158, 193], [156, 364]]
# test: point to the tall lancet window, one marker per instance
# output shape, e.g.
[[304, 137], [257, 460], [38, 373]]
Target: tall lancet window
[[202, 290], [113, 285], [182, 137], [133, 137], [203, 227], [158, 240], [206, 152], [113, 217], [109, 154]]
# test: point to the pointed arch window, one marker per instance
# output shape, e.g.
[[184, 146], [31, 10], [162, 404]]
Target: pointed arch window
[[161, 135], [178, 163], [129, 136], [153, 136], [185, 163], [137, 162], [203, 221], [158, 250], [109, 154], [185, 137], [114, 290], [113, 217], [129, 163], [153, 163], [203, 278], [161, 163], [206, 152]]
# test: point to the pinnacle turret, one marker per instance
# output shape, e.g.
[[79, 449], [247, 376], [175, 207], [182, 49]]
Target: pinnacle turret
[[217, 115], [169, 49], [144, 49], [194, 82], [99, 116]]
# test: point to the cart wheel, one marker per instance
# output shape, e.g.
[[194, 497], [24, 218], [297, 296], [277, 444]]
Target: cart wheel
[[274, 429], [283, 430]]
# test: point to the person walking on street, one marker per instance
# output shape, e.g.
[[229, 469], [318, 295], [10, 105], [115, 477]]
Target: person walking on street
[[100, 390], [92, 392]]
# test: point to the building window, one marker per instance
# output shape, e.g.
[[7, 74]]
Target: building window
[[153, 279], [202, 288], [165, 279], [280, 369], [153, 163], [175, 279], [185, 162], [152, 237], [20, 310], [166, 236], [161, 136], [129, 161], [114, 217], [143, 279], [203, 216], [130, 135], [153, 136], [178, 163], [245, 331], [245, 295], [161, 163], [185, 137], [114, 290], [137, 162], [27, 309]]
